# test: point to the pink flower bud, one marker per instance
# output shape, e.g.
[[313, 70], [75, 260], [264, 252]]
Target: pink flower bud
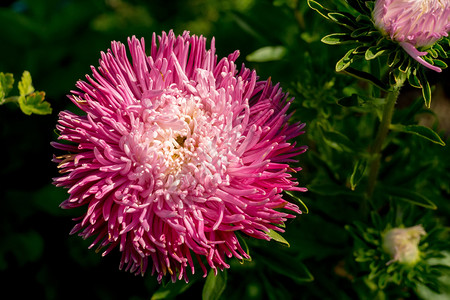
[[402, 244], [413, 24]]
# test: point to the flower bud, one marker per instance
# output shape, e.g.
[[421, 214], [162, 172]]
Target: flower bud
[[413, 24], [402, 244]]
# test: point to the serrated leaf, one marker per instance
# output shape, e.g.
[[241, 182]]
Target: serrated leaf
[[277, 237], [269, 53], [297, 201], [35, 104], [409, 196], [422, 131], [170, 290], [6, 84], [214, 285], [345, 61], [337, 39], [358, 172], [25, 84]]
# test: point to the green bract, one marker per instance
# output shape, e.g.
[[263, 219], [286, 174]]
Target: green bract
[[365, 42]]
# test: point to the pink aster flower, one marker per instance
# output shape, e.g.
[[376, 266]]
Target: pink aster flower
[[176, 152], [414, 24]]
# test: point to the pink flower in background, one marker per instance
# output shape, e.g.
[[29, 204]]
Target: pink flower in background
[[176, 152], [414, 24]]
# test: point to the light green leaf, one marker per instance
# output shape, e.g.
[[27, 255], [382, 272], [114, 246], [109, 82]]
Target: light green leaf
[[277, 237], [319, 8], [422, 131], [345, 61], [214, 285], [374, 52], [337, 39], [269, 53], [25, 85], [6, 84], [342, 19], [34, 103], [409, 196]]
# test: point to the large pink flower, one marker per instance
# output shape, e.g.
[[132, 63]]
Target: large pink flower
[[177, 152], [414, 24]]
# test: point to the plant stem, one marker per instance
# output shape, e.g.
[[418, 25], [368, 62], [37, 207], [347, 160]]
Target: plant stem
[[383, 130]]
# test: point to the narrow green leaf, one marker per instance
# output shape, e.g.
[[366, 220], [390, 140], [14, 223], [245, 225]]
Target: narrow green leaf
[[170, 290], [319, 8], [297, 201], [34, 103], [374, 52], [337, 39], [214, 285], [413, 79], [6, 84], [367, 77], [362, 31], [409, 196], [25, 84], [269, 53], [439, 63], [426, 89], [422, 131], [358, 172], [345, 20], [345, 61], [277, 237]]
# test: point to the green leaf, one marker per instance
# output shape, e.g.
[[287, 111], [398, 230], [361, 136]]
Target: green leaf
[[319, 8], [277, 237], [337, 39], [338, 141], [374, 52], [367, 77], [426, 88], [25, 85], [413, 79], [342, 19], [422, 131], [345, 61], [409, 196], [6, 84], [297, 201], [34, 103], [170, 290], [214, 285], [269, 53], [358, 172], [439, 63]]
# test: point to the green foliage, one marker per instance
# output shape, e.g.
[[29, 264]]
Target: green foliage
[[29, 101]]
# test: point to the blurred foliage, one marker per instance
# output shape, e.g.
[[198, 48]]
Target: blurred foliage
[[57, 41]]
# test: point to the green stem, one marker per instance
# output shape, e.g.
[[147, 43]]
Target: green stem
[[9, 99], [383, 130]]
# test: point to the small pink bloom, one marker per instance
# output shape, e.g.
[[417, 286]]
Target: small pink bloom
[[414, 24], [176, 152]]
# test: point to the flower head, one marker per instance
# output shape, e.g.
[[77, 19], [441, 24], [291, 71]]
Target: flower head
[[402, 244], [175, 153], [413, 24]]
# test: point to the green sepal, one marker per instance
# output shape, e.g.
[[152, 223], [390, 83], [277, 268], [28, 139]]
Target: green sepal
[[394, 58], [437, 47], [422, 131], [34, 104], [413, 79], [439, 63], [362, 31], [297, 201], [426, 88], [337, 39], [6, 84], [214, 285]]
